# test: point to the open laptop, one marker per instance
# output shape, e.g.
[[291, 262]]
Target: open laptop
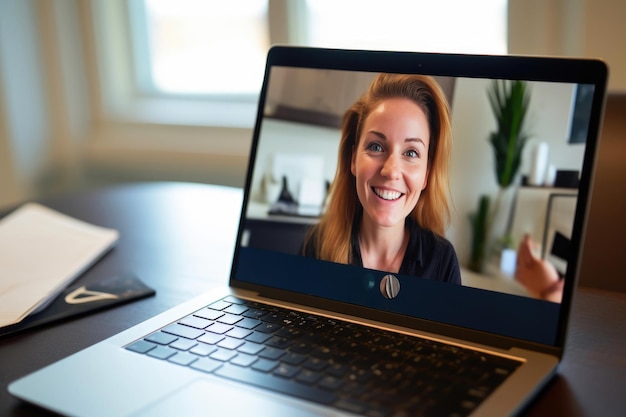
[[293, 335]]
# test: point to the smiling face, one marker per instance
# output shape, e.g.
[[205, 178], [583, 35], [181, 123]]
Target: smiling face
[[390, 161]]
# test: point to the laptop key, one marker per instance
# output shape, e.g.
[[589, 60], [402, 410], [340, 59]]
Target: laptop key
[[271, 353], [183, 358], [161, 338], [234, 300], [243, 359], [236, 309], [183, 344], [219, 328], [275, 317], [211, 338], [330, 382], [308, 376], [230, 343], [219, 305], [248, 323], [162, 352], [337, 369], [285, 370], [254, 313], [229, 319], [279, 342], [194, 321], [222, 354], [267, 327], [258, 337], [183, 331], [315, 364], [207, 313], [251, 348], [288, 333], [264, 365], [302, 347], [239, 333], [275, 383], [141, 346], [206, 365], [293, 358], [203, 349]]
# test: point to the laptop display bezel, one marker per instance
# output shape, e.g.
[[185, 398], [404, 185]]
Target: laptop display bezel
[[565, 70]]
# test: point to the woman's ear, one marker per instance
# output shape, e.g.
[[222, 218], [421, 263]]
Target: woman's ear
[[353, 161], [426, 178]]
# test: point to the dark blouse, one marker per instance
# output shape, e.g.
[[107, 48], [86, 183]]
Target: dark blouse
[[427, 255]]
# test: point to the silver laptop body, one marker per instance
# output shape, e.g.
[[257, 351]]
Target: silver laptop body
[[304, 95]]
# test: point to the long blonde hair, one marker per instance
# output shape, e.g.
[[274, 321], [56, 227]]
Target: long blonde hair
[[333, 233]]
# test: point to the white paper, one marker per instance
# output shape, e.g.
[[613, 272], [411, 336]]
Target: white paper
[[41, 252]]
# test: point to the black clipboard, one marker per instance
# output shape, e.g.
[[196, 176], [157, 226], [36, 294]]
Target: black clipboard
[[81, 299]]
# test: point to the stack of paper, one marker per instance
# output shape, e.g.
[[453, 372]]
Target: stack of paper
[[41, 252]]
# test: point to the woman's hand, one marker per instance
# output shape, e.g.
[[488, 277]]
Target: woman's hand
[[538, 276]]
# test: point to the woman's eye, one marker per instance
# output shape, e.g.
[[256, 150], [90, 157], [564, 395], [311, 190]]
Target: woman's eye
[[412, 153], [374, 147]]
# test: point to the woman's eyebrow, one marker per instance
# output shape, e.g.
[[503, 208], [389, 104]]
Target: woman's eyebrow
[[379, 134], [418, 140], [383, 137]]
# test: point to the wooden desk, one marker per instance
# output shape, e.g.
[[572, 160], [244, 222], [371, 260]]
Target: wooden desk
[[179, 237]]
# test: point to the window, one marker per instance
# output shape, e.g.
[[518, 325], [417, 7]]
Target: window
[[412, 25], [200, 47], [218, 48]]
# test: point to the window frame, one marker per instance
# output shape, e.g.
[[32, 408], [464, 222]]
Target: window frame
[[141, 60], [126, 93], [138, 136]]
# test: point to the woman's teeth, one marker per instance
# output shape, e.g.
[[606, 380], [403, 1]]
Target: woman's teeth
[[386, 194]]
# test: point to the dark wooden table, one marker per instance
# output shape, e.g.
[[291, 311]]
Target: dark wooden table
[[179, 238]]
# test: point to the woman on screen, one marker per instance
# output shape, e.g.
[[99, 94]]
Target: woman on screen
[[388, 204]]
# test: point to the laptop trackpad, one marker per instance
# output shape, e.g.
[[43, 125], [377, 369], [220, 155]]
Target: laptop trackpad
[[203, 396]]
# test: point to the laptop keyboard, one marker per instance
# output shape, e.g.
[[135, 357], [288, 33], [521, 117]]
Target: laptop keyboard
[[332, 362]]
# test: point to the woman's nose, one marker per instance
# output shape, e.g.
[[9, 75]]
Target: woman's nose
[[391, 167]]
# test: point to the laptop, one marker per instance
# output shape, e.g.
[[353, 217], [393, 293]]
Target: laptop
[[297, 334]]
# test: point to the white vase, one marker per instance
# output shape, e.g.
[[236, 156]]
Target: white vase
[[508, 260], [539, 163], [550, 176]]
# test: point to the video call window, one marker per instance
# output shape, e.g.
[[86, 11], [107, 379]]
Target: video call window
[[296, 161]]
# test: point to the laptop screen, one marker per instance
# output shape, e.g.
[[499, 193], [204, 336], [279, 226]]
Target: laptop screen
[[454, 196]]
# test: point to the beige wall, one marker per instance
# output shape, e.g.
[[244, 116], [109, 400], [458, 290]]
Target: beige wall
[[582, 28], [10, 188], [605, 36]]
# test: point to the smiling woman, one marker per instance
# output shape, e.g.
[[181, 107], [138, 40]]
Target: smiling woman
[[388, 205], [390, 163]]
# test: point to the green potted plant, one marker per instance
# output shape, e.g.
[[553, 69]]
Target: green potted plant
[[479, 221], [509, 102]]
